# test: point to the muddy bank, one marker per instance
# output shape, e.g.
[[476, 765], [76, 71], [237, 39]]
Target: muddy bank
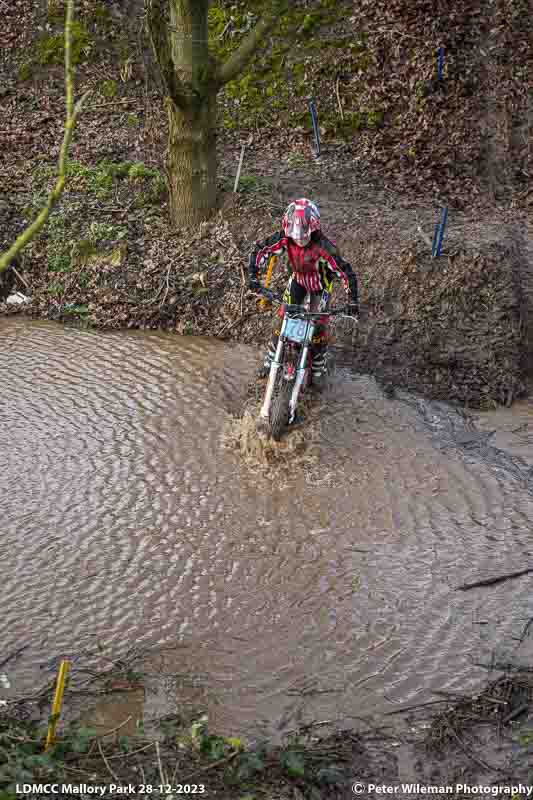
[[108, 259], [455, 328], [114, 728]]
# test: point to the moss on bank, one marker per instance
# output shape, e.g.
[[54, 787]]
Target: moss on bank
[[50, 49], [99, 179], [287, 72]]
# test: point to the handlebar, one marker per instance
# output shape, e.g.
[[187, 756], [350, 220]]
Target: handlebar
[[296, 310]]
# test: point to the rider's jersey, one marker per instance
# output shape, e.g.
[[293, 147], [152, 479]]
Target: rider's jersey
[[313, 266]]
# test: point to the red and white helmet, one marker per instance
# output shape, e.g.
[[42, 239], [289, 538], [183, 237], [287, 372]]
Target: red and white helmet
[[301, 218]]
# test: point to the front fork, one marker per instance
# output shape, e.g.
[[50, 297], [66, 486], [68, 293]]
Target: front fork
[[300, 376], [274, 367]]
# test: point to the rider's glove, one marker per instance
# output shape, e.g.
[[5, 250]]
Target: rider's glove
[[254, 285]]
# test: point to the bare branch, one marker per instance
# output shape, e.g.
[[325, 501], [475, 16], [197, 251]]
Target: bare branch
[[238, 60], [72, 113], [498, 579], [159, 32]]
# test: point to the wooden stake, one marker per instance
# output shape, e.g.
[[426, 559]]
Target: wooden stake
[[238, 176], [56, 705]]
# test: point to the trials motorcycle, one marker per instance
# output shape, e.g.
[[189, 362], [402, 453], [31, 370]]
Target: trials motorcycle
[[291, 368]]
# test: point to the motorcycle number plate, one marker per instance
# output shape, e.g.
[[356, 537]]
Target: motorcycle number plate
[[295, 329]]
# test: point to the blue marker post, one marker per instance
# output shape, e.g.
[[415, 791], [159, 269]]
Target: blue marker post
[[440, 63], [439, 234], [314, 120]]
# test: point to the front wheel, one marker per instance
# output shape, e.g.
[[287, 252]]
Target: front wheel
[[279, 413]]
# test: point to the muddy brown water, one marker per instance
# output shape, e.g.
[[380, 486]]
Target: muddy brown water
[[324, 593]]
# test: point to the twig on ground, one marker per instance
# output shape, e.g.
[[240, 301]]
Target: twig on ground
[[19, 276], [21, 738], [341, 111], [490, 581], [209, 767], [417, 705], [113, 103], [147, 302], [167, 281], [454, 695], [115, 778], [503, 667], [70, 768], [13, 655], [516, 713], [469, 753], [309, 726], [161, 772], [115, 729], [131, 752], [227, 25]]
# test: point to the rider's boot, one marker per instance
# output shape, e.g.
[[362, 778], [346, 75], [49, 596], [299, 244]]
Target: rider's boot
[[264, 369]]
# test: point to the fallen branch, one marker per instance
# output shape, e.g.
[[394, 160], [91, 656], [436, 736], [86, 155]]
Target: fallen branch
[[132, 752], [19, 276], [126, 100], [162, 775], [209, 767], [116, 728], [106, 762], [490, 581], [469, 753], [72, 113], [341, 111], [516, 713], [417, 705], [13, 655], [167, 287], [503, 666]]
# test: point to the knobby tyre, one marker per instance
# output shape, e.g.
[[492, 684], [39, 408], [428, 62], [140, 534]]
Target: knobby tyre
[[279, 414]]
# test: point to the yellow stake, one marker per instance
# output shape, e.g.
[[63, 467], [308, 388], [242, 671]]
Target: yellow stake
[[56, 705], [271, 262]]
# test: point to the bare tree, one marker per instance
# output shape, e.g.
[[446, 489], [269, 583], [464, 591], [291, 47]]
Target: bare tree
[[192, 78], [72, 113]]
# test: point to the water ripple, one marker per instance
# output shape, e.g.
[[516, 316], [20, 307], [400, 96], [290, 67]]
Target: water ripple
[[125, 522]]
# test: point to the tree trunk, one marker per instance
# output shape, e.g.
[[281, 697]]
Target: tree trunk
[[191, 162], [192, 78]]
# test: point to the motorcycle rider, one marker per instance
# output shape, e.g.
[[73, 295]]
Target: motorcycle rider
[[313, 261]]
